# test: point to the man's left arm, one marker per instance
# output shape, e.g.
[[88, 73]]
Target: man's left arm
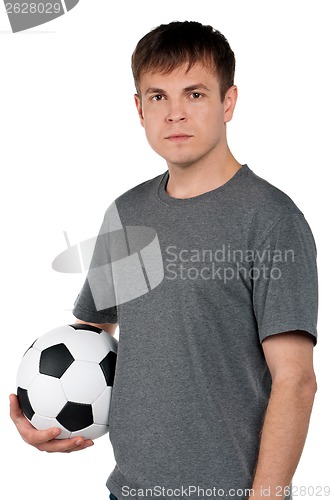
[[289, 357]]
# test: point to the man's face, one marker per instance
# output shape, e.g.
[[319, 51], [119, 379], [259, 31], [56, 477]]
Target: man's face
[[182, 114]]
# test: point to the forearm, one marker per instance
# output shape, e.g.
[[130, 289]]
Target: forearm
[[283, 436], [108, 327]]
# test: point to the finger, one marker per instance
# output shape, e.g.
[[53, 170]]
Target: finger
[[26, 429], [66, 445], [15, 410], [39, 437], [86, 444], [44, 440], [16, 413]]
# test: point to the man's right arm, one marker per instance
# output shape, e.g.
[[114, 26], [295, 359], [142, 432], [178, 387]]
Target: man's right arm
[[108, 327], [46, 440]]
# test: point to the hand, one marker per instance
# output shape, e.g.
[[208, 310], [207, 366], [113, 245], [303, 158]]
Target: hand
[[44, 440]]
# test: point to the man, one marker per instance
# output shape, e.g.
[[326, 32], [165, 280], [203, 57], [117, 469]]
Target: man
[[214, 383]]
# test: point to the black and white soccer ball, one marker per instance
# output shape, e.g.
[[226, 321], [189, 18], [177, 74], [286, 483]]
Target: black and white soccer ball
[[65, 380]]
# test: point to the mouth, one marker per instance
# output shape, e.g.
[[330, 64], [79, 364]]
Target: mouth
[[178, 137]]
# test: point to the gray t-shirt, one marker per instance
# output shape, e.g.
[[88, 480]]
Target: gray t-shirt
[[191, 384]]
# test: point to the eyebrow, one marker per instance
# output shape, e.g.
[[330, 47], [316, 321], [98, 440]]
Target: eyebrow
[[196, 86]]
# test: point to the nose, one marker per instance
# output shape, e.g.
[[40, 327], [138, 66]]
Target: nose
[[175, 114], [175, 118]]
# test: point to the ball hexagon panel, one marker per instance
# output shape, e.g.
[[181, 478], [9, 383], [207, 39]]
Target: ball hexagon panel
[[83, 382], [55, 360], [87, 346], [110, 341], [92, 432], [59, 335], [41, 423], [29, 368], [100, 408], [39, 395]]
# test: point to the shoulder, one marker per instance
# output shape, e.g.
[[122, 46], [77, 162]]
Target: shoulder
[[264, 208], [268, 199], [141, 190], [136, 197]]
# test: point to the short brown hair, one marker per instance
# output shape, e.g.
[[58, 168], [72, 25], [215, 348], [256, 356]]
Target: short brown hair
[[170, 45]]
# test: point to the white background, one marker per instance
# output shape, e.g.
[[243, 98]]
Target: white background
[[71, 143]]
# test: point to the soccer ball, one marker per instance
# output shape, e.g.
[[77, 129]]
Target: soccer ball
[[65, 380]]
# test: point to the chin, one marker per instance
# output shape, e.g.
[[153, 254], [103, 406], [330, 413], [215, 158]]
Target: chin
[[178, 160], [179, 163], [174, 157]]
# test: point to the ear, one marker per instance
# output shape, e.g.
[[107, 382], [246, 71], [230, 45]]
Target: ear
[[139, 107], [229, 103]]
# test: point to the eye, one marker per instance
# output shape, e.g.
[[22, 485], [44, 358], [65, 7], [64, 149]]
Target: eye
[[157, 97], [196, 95]]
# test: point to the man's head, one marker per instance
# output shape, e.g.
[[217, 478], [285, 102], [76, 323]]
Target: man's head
[[185, 93], [169, 46]]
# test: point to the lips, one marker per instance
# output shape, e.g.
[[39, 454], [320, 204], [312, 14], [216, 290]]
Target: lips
[[179, 137]]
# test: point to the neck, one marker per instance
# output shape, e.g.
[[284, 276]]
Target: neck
[[189, 180]]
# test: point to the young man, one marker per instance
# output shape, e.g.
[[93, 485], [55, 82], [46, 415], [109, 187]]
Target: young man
[[215, 382]]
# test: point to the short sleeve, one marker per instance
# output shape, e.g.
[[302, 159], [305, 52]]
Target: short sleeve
[[96, 302], [85, 308], [285, 281]]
